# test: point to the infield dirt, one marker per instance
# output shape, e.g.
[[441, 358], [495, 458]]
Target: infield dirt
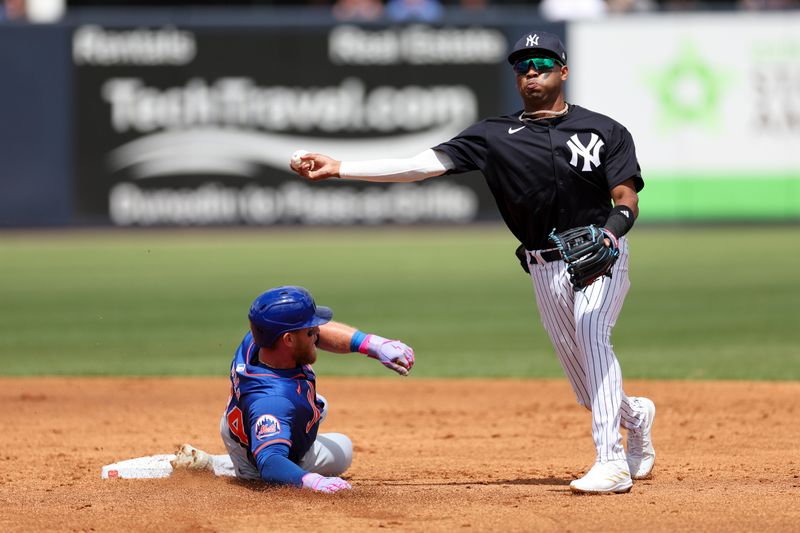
[[467, 455]]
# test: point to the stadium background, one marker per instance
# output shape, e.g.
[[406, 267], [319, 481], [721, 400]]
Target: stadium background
[[144, 203]]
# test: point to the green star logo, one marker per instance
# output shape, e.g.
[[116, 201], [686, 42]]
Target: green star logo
[[688, 91]]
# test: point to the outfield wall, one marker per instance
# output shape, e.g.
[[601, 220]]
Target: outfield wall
[[170, 118]]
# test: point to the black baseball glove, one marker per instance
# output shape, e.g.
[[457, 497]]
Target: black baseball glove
[[586, 254]]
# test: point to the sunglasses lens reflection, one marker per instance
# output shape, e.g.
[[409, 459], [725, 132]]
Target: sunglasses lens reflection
[[539, 64]]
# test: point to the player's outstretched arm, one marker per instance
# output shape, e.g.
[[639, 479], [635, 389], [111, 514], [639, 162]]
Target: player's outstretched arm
[[340, 338], [424, 165]]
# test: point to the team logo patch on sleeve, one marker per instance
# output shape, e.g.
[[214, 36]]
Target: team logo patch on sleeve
[[267, 426]]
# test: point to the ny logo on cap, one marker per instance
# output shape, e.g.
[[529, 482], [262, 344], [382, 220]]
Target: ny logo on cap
[[533, 40]]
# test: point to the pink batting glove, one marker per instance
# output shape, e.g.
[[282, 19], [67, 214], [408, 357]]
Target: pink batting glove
[[393, 354], [329, 485]]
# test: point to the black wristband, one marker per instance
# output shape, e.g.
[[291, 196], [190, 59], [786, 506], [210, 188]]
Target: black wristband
[[620, 220]]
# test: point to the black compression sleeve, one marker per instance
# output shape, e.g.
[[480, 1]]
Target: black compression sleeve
[[620, 220]]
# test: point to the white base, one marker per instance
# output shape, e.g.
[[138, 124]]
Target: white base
[[155, 466], [152, 466]]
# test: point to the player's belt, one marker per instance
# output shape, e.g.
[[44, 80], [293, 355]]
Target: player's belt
[[544, 256]]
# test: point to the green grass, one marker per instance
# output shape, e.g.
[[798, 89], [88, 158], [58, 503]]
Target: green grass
[[705, 303]]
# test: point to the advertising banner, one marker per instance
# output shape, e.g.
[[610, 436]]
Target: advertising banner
[[195, 126], [712, 101]]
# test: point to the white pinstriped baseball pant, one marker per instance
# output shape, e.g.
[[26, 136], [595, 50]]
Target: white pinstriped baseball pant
[[579, 325]]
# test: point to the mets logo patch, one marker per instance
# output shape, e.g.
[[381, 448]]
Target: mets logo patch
[[267, 426]]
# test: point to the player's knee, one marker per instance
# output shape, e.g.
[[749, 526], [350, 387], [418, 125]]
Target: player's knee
[[593, 341], [340, 447], [346, 447]]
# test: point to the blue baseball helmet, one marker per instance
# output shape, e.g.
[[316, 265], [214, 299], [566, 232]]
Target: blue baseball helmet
[[284, 309]]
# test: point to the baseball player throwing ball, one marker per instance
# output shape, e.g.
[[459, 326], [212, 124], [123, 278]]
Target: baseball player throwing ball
[[270, 423], [566, 181]]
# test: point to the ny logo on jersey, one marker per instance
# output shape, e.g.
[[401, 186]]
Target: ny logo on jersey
[[532, 40], [590, 152]]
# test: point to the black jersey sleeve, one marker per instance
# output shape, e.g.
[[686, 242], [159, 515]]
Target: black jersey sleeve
[[621, 163], [467, 150]]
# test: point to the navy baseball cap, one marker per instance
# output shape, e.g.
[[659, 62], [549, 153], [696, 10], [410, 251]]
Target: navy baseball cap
[[284, 309], [538, 43]]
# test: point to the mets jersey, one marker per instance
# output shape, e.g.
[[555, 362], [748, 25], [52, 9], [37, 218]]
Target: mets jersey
[[274, 413], [549, 173]]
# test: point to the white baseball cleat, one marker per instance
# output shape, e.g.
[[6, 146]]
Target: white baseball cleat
[[641, 454], [611, 477], [192, 458]]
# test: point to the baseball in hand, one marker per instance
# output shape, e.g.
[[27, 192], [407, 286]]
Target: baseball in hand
[[296, 161]]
